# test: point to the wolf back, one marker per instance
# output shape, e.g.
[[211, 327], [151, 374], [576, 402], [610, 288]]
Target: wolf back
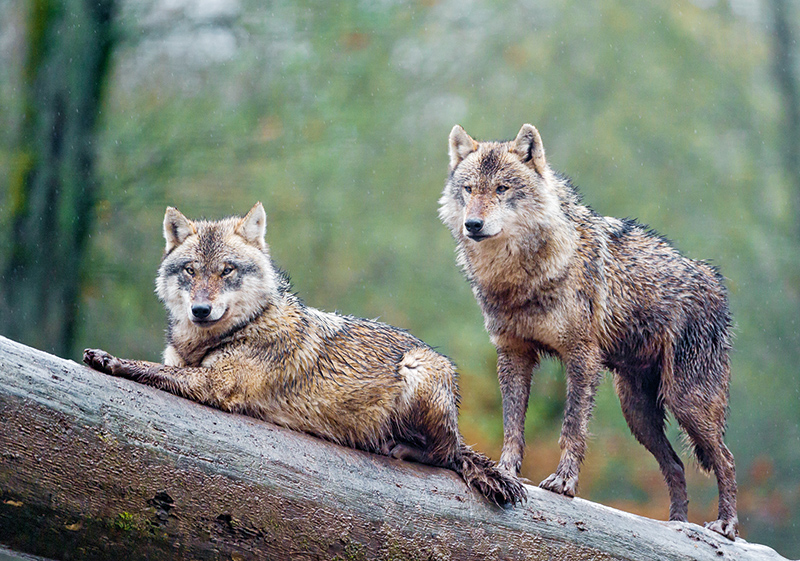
[[240, 340], [552, 277]]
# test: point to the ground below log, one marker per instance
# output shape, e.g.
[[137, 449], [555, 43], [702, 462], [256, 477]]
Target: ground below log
[[95, 467]]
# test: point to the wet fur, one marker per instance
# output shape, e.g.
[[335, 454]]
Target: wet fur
[[261, 352], [553, 277]]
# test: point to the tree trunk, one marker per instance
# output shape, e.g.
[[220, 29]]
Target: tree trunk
[[785, 69], [96, 467], [52, 185]]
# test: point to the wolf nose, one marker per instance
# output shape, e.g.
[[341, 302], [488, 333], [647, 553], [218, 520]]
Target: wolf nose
[[201, 311], [473, 225]]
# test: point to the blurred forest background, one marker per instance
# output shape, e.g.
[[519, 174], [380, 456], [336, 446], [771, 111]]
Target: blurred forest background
[[683, 114]]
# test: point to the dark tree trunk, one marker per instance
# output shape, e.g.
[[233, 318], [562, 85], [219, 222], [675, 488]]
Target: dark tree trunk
[[785, 69], [95, 467], [52, 190]]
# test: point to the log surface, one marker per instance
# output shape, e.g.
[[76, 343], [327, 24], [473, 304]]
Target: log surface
[[96, 467]]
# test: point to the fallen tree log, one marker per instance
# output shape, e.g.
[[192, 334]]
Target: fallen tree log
[[96, 467]]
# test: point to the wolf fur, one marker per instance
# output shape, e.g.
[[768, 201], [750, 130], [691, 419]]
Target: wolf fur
[[241, 341], [552, 277]]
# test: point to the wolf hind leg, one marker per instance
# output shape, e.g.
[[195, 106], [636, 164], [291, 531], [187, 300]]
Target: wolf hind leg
[[430, 433], [429, 409], [444, 446], [701, 412], [638, 395], [727, 522], [713, 455]]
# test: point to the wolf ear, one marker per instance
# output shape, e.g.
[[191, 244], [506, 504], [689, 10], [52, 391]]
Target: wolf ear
[[461, 146], [176, 228], [528, 146], [253, 227]]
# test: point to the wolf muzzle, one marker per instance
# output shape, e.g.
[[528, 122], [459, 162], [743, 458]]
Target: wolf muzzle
[[473, 225], [474, 229], [201, 311]]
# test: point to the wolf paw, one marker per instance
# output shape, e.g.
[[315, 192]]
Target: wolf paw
[[728, 528], [511, 492], [100, 360], [501, 488], [560, 485]]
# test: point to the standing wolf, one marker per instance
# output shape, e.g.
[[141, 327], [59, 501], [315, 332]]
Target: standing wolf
[[552, 277], [241, 341]]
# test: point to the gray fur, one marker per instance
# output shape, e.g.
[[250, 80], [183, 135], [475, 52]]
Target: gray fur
[[553, 277]]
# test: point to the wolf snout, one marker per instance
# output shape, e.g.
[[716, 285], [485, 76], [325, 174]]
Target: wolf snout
[[201, 311], [205, 313], [473, 225]]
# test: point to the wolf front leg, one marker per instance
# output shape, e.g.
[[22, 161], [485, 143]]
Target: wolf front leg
[[191, 383], [583, 376], [514, 371]]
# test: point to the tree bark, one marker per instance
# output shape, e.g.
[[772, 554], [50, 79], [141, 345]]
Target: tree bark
[[52, 183], [96, 467]]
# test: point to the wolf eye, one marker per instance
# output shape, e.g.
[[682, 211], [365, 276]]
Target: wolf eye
[[189, 270], [501, 189], [228, 270], [468, 188]]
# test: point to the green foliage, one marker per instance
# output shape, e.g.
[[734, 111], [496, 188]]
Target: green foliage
[[336, 117], [124, 521]]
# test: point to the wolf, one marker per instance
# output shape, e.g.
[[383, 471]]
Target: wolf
[[554, 278], [240, 340]]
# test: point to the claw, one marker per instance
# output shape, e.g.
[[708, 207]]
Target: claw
[[728, 528], [99, 360], [560, 485]]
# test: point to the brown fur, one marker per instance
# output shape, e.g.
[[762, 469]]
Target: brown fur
[[552, 277], [241, 341]]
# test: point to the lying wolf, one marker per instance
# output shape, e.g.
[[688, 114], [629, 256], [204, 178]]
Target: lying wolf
[[552, 277], [241, 341]]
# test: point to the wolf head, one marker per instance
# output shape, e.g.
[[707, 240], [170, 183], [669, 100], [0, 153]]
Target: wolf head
[[215, 275], [496, 189]]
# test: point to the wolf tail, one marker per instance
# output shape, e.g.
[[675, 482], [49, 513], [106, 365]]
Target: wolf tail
[[482, 474]]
